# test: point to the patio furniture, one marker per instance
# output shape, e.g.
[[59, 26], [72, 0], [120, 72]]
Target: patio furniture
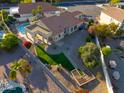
[[116, 75], [112, 64]]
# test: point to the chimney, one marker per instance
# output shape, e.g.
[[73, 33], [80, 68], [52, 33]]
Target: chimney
[[33, 1]]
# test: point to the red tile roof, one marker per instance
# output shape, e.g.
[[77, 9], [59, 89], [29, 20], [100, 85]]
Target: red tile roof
[[27, 8]]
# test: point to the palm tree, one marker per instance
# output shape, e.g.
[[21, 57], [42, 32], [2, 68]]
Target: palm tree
[[22, 66]]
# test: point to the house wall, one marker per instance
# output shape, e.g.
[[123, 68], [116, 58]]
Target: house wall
[[30, 36], [67, 31], [58, 37], [106, 19], [25, 17]]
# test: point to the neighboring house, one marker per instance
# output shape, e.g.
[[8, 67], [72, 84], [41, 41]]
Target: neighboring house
[[24, 11], [52, 29], [112, 15]]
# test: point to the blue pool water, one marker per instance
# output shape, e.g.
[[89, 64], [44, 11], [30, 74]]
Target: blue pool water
[[16, 90], [21, 27]]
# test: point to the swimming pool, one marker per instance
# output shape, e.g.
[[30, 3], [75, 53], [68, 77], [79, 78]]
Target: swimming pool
[[15, 90], [21, 27]]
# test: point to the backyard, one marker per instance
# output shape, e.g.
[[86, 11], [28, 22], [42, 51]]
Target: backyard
[[59, 59]]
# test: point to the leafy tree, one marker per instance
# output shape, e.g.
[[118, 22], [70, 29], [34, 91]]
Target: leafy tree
[[22, 66], [44, 0], [39, 9], [90, 54], [34, 12], [14, 1], [26, 1], [9, 41], [104, 31], [113, 2]]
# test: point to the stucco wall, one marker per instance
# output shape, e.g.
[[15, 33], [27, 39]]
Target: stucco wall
[[106, 19]]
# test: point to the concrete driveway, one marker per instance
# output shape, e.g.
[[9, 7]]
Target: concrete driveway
[[70, 45]]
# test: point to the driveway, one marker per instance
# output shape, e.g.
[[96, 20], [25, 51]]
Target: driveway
[[70, 45]]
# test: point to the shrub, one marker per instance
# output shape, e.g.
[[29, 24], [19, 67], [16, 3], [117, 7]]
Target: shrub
[[27, 44], [106, 50], [88, 39], [90, 54], [91, 64], [9, 41]]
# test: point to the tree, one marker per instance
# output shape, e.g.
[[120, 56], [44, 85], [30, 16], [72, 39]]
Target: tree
[[13, 1], [22, 66], [114, 2], [26, 1], [9, 41], [44, 0], [39, 9], [104, 31], [90, 54], [34, 12]]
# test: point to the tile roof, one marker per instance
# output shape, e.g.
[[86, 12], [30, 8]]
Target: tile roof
[[115, 13], [58, 23], [27, 8], [76, 13]]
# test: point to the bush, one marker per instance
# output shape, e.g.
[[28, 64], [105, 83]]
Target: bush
[[9, 41], [27, 44], [91, 64], [88, 39], [106, 50]]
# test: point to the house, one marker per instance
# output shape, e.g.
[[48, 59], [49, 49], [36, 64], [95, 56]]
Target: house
[[112, 15], [24, 11], [54, 28]]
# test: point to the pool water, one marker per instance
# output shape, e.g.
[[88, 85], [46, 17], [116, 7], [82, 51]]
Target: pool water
[[15, 90], [21, 27]]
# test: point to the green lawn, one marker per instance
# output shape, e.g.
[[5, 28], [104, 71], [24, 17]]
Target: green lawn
[[54, 59]]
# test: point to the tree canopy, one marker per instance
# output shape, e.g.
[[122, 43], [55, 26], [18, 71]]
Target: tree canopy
[[22, 66], [103, 30], [9, 41], [113, 2], [90, 54]]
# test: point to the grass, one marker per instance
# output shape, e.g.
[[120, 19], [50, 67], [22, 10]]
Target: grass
[[54, 59]]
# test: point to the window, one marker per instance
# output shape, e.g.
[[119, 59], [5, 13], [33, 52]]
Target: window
[[75, 27], [59, 35], [72, 29]]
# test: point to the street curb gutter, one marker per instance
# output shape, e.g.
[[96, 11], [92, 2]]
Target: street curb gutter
[[104, 67]]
